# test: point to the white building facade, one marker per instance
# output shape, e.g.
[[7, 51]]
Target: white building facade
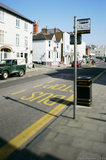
[[100, 51], [15, 35], [68, 50], [46, 50]]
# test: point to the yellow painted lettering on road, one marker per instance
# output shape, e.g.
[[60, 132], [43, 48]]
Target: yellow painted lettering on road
[[55, 87], [59, 87], [55, 99], [35, 98], [49, 95], [51, 86], [33, 95], [67, 89]]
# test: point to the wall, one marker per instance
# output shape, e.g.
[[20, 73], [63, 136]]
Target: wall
[[39, 51], [10, 31]]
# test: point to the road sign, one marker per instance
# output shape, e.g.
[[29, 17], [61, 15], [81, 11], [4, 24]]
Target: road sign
[[83, 26]]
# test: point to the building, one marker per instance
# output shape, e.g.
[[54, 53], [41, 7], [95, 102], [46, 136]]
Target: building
[[46, 50], [97, 51], [100, 51], [15, 34], [46, 46], [67, 53], [63, 41], [68, 49]]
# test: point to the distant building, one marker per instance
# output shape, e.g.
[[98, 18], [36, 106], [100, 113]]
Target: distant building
[[63, 40], [100, 51], [87, 51], [47, 46], [97, 51], [15, 34], [46, 50], [66, 48]]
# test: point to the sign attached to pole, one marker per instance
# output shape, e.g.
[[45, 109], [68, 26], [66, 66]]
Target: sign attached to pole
[[83, 26]]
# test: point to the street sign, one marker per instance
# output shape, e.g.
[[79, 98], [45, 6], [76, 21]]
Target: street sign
[[83, 26], [79, 39]]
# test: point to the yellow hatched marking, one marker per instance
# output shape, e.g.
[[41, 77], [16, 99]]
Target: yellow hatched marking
[[18, 92], [20, 139]]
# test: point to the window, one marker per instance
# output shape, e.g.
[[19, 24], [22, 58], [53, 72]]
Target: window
[[1, 36], [1, 16], [57, 45], [25, 26], [17, 39], [54, 49], [18, 23], [57, 55], [5, 55], [18, 54], [14, 62], [68, 47], [21, 54], [49, 54], [26, 42], [49, 43]]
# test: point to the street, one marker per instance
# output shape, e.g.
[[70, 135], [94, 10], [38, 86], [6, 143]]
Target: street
[[25, 101]]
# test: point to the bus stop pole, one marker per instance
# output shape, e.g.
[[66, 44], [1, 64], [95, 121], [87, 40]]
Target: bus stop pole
[[75, 67]]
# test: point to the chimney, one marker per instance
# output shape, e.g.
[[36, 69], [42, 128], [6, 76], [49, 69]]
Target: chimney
[[45, 30], [35, 27], [55, 30]]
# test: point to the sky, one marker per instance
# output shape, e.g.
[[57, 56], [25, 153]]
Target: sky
[[60, 14]]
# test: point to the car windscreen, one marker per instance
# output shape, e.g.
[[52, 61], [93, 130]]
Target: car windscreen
[[8, 62]]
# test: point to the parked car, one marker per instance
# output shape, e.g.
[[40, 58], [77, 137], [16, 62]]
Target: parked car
[[78, 64], [11, 66]]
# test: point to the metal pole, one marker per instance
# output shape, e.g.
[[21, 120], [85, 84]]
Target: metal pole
[[75, 67]]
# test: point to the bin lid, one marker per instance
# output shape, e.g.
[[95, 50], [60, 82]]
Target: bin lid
[[84, 78]]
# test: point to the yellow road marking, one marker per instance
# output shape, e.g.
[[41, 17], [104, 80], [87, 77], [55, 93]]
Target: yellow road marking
[[50, 104], [51, 81], [94, 79], [37, 85], [59, 87], [34, 129], [18, 92], [49, 95], [33, 95]]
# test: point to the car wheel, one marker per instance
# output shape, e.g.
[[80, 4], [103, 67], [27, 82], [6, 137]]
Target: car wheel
[[5, 75], [21, 73]]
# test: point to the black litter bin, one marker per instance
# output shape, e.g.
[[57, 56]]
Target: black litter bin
[[84, 90]]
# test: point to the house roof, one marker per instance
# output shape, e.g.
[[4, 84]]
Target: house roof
[[13, 12], [51, 31], [41, 36], [59, 36], [56, 31]]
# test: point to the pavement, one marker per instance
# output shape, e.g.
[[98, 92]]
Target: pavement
[[82, 138], [39, 69]]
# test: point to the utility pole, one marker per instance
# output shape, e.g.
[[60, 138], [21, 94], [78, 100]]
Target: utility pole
[[75, 67]]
